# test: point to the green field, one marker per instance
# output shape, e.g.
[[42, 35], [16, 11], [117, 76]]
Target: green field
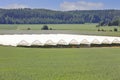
[[80, 27], [84, 29], [59, 64]]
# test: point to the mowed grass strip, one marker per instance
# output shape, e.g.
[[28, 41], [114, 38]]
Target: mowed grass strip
[[59, 64]]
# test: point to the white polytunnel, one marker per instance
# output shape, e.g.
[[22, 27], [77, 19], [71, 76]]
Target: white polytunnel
[[115, 41], [23, 43], [74, 42], [62, 42], [84, 41], [105, 41], [95, 41], [55, 39], [36, 43], [49, 42]]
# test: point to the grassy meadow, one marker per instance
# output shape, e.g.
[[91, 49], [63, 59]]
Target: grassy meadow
[[59, 64], [84, 29], [17, 63]]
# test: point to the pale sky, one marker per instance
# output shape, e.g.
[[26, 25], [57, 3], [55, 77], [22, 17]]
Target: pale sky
[[63, 5]]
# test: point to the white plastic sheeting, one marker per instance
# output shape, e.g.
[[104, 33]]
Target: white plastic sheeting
[[55, 39], [36, 43], [95, 41], [73, 42]]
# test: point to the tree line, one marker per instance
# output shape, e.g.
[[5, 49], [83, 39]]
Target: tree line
[[109, 23], [44, 16]]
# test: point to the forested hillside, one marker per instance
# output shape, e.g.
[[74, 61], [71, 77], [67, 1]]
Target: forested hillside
[[44, 16]]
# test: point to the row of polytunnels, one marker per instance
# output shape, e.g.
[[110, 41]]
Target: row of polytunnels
[[61, 40]]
